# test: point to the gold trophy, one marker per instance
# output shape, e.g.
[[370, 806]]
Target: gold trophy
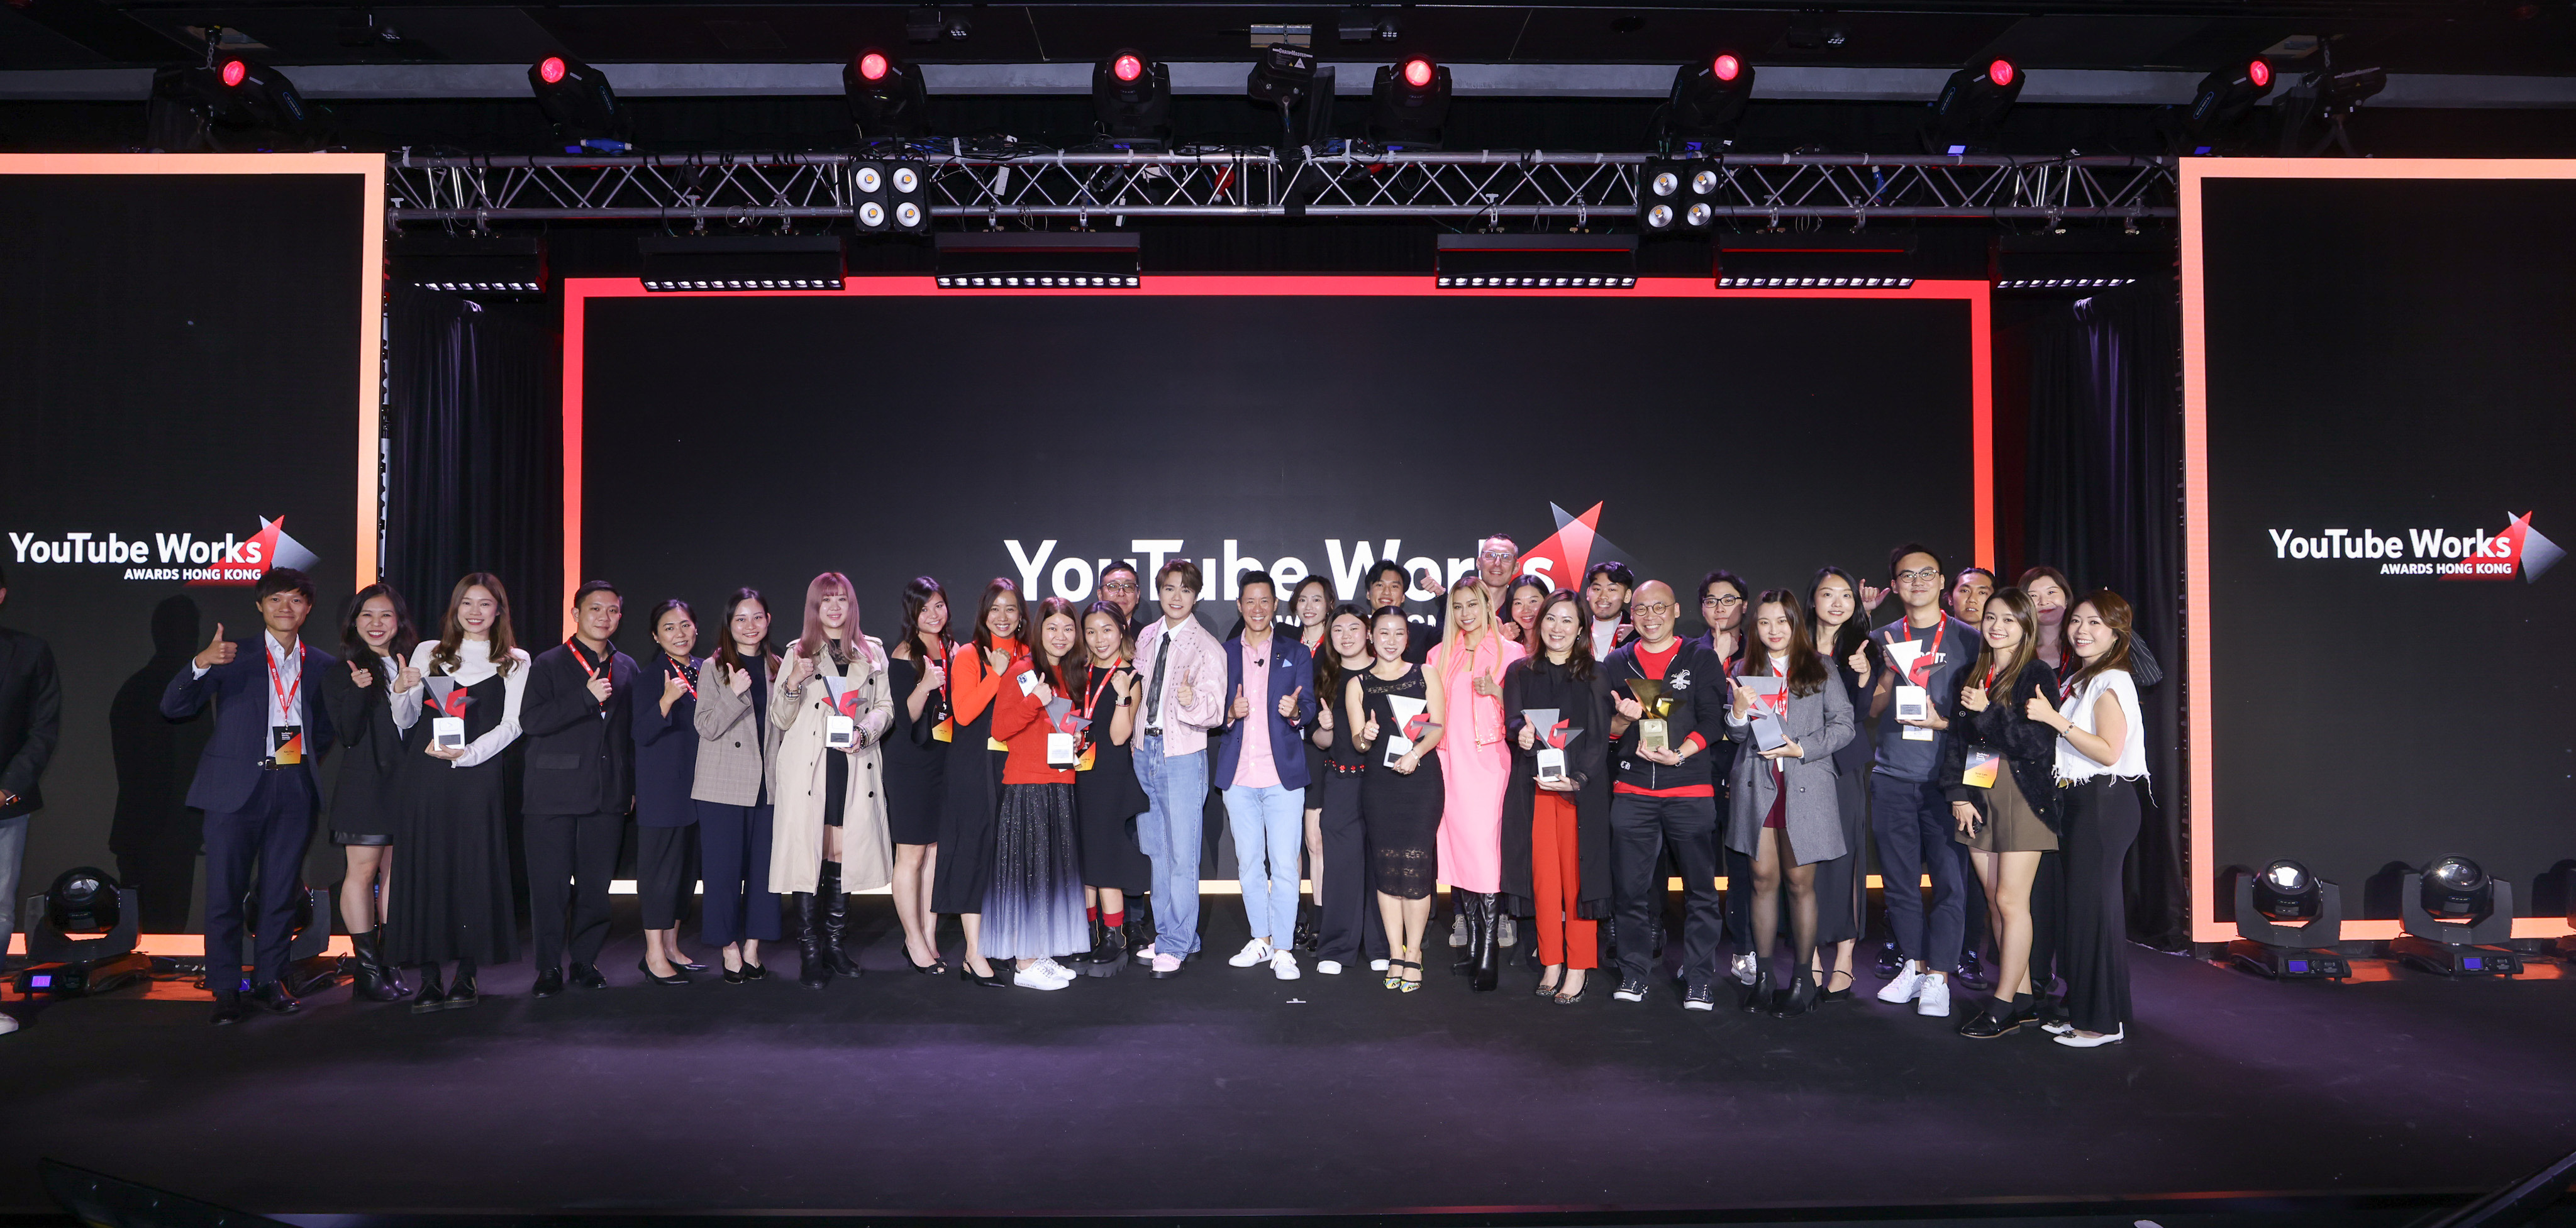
[[1652, 732]]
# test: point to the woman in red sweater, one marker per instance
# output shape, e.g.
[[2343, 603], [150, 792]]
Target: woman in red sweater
[[1033, 910]]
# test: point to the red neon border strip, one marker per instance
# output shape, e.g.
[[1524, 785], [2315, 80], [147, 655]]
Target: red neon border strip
[[2200, 708], [578, 291]]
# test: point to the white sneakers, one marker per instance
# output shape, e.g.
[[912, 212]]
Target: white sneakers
[[1329, 967], [1745, 965], [1905, 986], [8, 1024], [1930, 994], [1035, 977], [1284, 966], [1934, 1000], [1253, 952], [1377, 965]]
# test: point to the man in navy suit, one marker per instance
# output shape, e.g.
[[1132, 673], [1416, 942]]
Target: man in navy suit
[[256, 784]]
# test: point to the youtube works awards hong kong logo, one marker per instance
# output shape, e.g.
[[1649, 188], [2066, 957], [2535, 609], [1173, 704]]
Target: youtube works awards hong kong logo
[[225, 562], [2516, 550]]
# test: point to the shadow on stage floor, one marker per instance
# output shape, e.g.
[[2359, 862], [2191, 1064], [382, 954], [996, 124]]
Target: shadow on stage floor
[[1227, 1091]]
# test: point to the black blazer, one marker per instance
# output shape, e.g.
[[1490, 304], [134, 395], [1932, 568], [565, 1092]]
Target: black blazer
[[230, 769], [2028, 746], [31, 719], [666, 747], [364, 802], [581, 760], [1696, 683], [1532, 682]]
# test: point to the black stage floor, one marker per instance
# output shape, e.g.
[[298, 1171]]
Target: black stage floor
[[1229, 1091]]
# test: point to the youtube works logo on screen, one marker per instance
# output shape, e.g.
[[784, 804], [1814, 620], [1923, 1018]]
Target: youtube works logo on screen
[[227, 561], [2517, 549]]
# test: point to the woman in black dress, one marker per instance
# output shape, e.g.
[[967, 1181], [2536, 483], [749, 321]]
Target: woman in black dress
[[451, 888], [1401, 793], [665, 730], [973, 787], [916, 763], [1106, 796], [371, 706], [1842, 890], [1349, 927]]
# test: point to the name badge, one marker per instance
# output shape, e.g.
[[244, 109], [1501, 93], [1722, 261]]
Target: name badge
[[1983, 765], [285, 745], [1060, 752], [448, 731], [840, 732]]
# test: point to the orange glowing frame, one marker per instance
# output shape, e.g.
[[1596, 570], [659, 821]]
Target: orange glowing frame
[[370, 168], [578, 291], [2200, 714]]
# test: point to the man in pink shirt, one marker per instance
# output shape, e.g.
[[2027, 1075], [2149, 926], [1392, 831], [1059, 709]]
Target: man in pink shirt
[[1261, 765], [1184, 672]]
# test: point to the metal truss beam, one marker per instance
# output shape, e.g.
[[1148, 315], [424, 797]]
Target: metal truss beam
[[1493, 186]]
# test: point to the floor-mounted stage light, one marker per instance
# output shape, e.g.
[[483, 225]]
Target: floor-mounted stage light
[[1409, 104], [2288, 922], [890, 196], [580, 104], [2220, 105], [1706, 105], [80, 936], [887, 96], [1969, 112], [2455, 917], [1131, 97]]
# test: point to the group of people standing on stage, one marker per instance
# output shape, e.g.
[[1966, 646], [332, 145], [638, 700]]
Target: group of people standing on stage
[[1041, 773]]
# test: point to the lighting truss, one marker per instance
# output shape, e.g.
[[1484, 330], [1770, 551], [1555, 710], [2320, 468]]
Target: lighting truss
[[1256, 183]]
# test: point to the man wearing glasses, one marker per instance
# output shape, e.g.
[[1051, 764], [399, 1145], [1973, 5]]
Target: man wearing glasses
[[1664, 797], [1119, 587], [1907, 810]]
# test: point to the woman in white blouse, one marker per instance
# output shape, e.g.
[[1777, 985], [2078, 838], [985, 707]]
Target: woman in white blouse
[[2101, 756], [451, 892]]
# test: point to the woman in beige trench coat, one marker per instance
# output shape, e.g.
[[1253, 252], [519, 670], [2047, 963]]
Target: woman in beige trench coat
[[829, 830]]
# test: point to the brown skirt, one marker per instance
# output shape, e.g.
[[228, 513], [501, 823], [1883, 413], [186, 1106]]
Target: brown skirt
[[2011, 825]]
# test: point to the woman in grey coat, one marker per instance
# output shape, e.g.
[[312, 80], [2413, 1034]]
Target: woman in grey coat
[[1785, 812]]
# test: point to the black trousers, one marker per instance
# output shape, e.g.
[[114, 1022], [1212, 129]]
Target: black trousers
[[1640, 828], [1350, 926], [257, 851], [2101, 824], [570, 854], [661, 873]]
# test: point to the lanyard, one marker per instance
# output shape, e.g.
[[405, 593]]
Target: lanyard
[[285, 691], [680, 670], [1091, 702], [2065, 691], [588, 673]]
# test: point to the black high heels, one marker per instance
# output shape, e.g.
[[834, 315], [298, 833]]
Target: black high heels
[[1801, 997], [1758, 995], [966, 972]]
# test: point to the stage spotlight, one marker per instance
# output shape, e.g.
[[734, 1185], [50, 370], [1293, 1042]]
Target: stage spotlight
[[1970, 110], [2455, 916], [1289, 78], [1409, 104], [80, 936], [890, 196], [231, 94], [580, 104], [1131, 97], [2329, 95], [1706, 105], [2288, 922], [2221, 103], [887, 96], [1677, 197]]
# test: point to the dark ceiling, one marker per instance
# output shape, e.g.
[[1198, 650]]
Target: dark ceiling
[[2461, 36]]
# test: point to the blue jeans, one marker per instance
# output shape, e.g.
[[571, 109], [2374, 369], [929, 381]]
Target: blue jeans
[[1269, 827], [1176, 796]]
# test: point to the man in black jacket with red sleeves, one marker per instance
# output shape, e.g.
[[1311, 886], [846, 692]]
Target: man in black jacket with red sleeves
[[1665, 796]]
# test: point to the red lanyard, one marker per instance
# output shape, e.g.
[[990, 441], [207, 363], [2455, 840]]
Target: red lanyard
[[285, 691], [680, 670], [1091, 702], [1990, 678], [590, 674]]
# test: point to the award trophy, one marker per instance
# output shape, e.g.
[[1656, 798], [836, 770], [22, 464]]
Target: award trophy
[[1652, 731], [1062, 726], [841, 724], [447, 700]]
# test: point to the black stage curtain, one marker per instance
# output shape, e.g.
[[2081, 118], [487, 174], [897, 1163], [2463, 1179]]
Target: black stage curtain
[[474, 481], [2102, 499]]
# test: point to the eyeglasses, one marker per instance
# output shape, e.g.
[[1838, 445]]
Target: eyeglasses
[[1920, 575], [1660, 607], [1496, 556], [1118, 586], [1723, 599]]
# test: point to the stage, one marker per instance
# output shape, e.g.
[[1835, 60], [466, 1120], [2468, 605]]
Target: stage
[[1227, 1091]]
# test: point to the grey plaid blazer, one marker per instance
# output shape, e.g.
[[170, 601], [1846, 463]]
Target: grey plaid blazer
[[736, 754]]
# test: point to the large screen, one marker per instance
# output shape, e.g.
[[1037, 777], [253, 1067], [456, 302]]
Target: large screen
[[1302, 426], [2378, 375], [1307, 426], [188, 363]]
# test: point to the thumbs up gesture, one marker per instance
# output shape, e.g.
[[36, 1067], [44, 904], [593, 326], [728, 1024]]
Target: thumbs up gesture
[[1288, 703], [1368, 732], [219, 651], [361, 677], [739, 682], [1242, 704], [407, 679]]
